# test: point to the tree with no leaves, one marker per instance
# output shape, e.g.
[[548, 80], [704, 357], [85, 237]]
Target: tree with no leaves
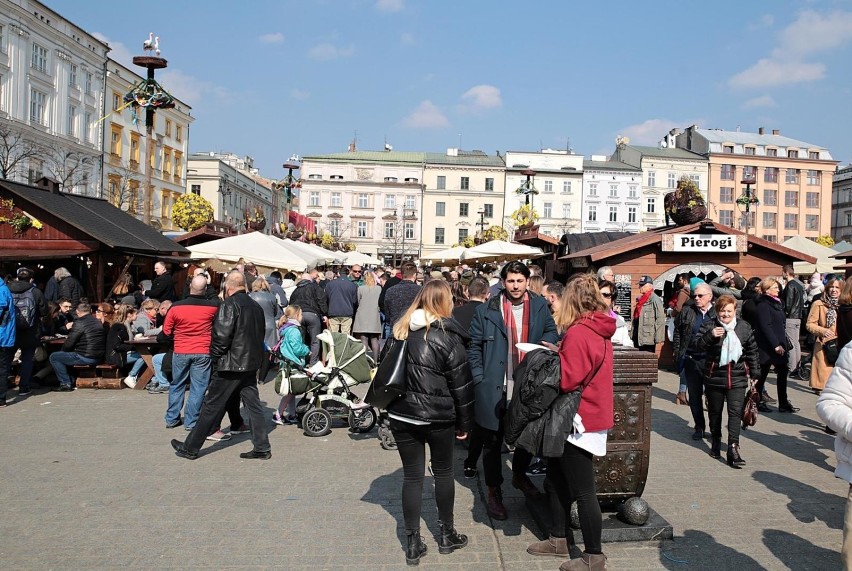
[[15, 150]]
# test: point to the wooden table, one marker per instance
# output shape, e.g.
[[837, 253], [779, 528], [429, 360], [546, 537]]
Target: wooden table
[[146, 347]]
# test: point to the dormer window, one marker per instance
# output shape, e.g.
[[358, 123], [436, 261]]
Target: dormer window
[[728, 149]]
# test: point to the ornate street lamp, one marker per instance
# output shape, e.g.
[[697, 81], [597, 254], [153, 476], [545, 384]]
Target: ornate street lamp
[[748, 199], [289, 183], [527, 187], [481, 238]]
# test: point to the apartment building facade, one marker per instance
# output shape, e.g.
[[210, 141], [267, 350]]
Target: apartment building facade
[[558, 181], [841, 204], [372, 199], [463, 195], [51, 97], [125, 167], [792, 179], [612, 198]]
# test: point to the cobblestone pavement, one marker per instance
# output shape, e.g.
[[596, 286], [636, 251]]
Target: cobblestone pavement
[[92, 483]]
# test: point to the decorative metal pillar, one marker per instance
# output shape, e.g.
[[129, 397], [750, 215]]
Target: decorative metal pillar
[[747, 199], [527, 188], [288, 184]]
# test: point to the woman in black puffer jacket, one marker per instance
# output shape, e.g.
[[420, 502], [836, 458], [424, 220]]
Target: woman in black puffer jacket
[[732, 359], [770, 332], [436, 408]]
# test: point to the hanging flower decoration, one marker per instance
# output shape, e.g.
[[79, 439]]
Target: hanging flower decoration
[[327, 240], [255, 219], [20, 220], [192, 211], [685, 205], [495, 233], [524, 216]]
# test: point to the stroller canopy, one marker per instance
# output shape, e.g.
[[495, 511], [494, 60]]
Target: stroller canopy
[[348, 354]]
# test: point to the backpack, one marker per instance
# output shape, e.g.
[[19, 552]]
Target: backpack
[[25, 309]]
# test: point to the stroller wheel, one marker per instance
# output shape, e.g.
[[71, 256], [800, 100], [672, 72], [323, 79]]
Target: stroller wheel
[[386, 438], [316, 422], [362, 420]]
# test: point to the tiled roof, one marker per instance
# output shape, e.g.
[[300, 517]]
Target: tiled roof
[[668, 153], [742, 138], [383, 157], [99, 219], [468, 158], [608, 165]]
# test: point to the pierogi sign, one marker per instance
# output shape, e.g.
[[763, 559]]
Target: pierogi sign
[[703, 243]]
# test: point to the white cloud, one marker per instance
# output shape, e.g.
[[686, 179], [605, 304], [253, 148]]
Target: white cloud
[[327, 52], [390, 5], [299, 94], [271, 38], [769, 72], [407, 39], [119, 51], [426, 116], [765, 21], [481, 97], [189, 88], [760, 102], [650, 132]]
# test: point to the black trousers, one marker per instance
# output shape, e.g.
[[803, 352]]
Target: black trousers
[[411, 440], [312, 326], [781, 384], [490, 444], [222, 385], [716, 398], [573, 478], [695, 388], [233, 410]]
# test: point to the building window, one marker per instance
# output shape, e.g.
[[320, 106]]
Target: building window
[[314, 199], [632, 191], [488, 210], [548, 210], [440, 209], [168, 128], [39, 60], [464, 208], [792, 176], [391, 179], [465, 183], [314, 177], [167, 163], [631, 214], [88, 128], [726, 194], [71, 127], [390, 201], [770, 237], [410, 202], [651, 205], [409, 179], [812, 200], [196, 189], [363, 200], [409, 230], [749, 150], [566, 186], [696, 179], [770, 174], [336, 199], [439, 235], [848, 215], [593, 213], [361, 229], [813, 155], [115, 140], [389, 226], [652, 178], [489, 184], [38, 103], [727, 172], [548, 186], [593, 189], [442, 183], [72, 76], [770, 219], [613, 213], [116, 101], [462, 235], [791, 221], [566, 211], [728, 149], [749, 173], [334, 228], [791, 198], [813, 177], [613, 191], [134, 150], [179, 134], [672, 180], [771, 152], [792, 154], [726, 217], [89, 82], [770, 198], [811, 221]]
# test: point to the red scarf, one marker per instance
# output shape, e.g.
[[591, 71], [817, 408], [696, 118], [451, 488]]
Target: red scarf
[[512, 327], [640, 301]]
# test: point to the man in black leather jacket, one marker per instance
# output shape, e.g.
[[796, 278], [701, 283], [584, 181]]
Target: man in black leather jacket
[[85, 345], [794, 303], [237, 351]]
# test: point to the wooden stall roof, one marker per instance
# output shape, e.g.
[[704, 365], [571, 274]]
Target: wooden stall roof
[[655, 235], [208, 232], [96, 218]]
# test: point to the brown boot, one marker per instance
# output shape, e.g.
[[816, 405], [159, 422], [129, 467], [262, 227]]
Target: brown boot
[[556, 546], [587, 562], [681, 398], [525, 485], [495, 506]]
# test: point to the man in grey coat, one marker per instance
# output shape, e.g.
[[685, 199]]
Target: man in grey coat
[[649, 317]]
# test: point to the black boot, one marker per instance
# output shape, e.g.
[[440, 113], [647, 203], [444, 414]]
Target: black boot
[[734, 458], [716, 447], [415, 549], [450, 539]]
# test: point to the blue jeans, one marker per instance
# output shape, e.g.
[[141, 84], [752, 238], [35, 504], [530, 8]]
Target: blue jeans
[[61, 360], [159, 377], [135, 359], [192, 368]]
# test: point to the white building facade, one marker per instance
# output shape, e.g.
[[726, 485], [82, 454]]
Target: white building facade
[[126, 146], [558, 180], [612, 196], [841, 204], [51, 97]]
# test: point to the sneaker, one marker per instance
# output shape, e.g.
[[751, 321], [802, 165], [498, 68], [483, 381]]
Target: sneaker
[[291, 420], [470, 473], [240, 430], [2, 404], [158, 390], [174, 424], [24, 393], [537, 468], [130, 381], [276, 418], [65, 388], [764, 397], [219, 436]]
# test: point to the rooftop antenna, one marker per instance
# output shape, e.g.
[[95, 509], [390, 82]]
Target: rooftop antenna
[[460, 139]]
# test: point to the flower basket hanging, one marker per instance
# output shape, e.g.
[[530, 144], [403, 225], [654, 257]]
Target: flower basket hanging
[[686, 204]]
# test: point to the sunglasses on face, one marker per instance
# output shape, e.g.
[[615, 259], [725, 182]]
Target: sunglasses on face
[[606, 295], [697, 295]]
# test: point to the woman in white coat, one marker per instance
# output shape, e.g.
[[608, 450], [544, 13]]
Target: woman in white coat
[[834, 407]]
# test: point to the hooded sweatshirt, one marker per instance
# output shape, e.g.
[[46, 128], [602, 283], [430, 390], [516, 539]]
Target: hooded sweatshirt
[[586, 358]]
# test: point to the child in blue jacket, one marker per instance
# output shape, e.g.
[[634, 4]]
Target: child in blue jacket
[[292, 348]]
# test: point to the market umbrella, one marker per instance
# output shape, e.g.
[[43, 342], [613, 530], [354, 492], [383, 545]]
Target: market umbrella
[[355, 257], [824, 255], [500, 251], [450, 254], [318, 256], [260, 249]]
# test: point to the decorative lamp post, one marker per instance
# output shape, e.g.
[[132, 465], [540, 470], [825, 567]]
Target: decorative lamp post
[[527, 187], [481, 238], [748, 199], [150, 95], [289, 183]]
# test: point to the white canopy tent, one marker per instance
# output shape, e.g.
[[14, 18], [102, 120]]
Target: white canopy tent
[[355, 257], [825, 263], [260, 249], [320, 256], [448, 255], [500, 251]]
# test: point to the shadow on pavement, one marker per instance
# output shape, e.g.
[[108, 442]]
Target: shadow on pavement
[[798, 553], [803, 449], [807, 503], [698, 550]]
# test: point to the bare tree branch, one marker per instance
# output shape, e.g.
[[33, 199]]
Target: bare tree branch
[[15, 150], [68, 168], [122, 192]]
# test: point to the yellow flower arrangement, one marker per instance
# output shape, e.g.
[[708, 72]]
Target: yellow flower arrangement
[[327, 240], [525, 216], [191, 211]]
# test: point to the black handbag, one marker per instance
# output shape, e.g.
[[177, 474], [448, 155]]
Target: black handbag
[[830, 351], [389, 382]]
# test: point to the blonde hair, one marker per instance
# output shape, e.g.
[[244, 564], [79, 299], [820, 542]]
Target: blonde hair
[[580, 298], [435, 298], [122, 310], [768, 283], [290, 312], [535, 283], [369, 279], [150, 304], [260, 284]]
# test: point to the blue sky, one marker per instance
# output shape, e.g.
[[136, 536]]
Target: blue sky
[[273, 78]]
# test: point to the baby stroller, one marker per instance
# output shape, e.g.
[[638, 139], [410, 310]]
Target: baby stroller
[[327, 387]]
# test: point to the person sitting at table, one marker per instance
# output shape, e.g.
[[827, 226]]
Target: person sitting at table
[[66, 315], [146, 320], [85, 346], [50, 322], [104, 312], [119, 351]]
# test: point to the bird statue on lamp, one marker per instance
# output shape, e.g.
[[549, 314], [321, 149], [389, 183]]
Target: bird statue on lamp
[[157, 46], [148, 45]]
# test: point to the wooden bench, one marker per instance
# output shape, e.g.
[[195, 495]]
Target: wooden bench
[[103, 376]]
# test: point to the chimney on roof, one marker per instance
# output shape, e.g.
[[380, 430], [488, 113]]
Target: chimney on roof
[[352, 147], [776, 131], [761, 131], [49, 184]]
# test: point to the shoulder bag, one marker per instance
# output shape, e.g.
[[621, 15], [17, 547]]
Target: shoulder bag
[[830, 352], [752, 398], [389, 382]]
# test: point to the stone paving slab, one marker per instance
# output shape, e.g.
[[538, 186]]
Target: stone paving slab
[[92, 483]]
